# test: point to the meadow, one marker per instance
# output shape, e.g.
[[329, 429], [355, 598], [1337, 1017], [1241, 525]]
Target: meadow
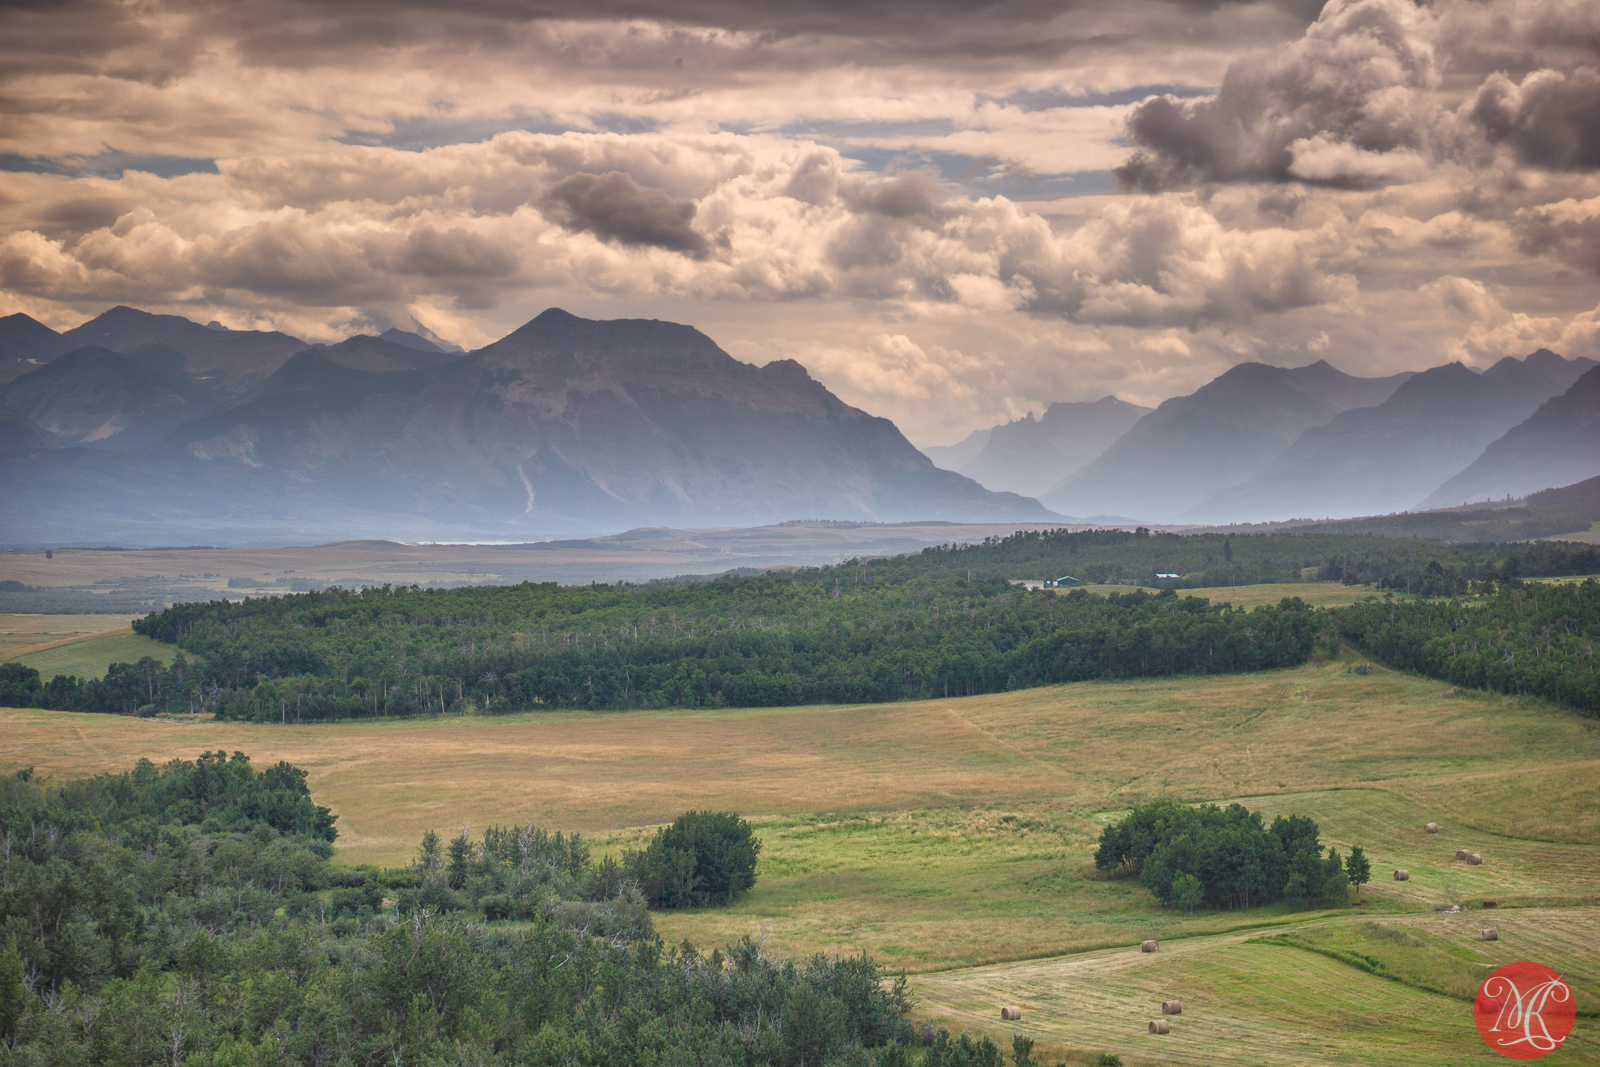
[[91, 655], [953, 839], [20, 634]]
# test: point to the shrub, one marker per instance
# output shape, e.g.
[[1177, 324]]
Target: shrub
[[704, 857]]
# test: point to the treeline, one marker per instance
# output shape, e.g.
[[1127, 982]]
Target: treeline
[[813, 637], [1206, 856], [1534, 638], [188, 914], [1212, 560]]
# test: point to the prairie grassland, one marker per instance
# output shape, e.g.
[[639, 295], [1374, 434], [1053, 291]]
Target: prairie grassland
[[23, 633], [930, 890], [92, 656], [953, 839], [1249, 1001], [1086, 747]]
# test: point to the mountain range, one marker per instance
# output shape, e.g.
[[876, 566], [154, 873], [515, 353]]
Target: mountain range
[[565, 425], [1191, 447], [136, 426], [1264, 444], [1031, 456]]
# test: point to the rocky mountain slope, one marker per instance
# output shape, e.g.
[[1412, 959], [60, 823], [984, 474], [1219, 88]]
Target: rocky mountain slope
[[1032, 456]]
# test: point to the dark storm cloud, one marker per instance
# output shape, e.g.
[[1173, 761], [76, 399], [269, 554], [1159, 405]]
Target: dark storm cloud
[[614, 207], [1333, 109], [1551, 120], [1357, 102]]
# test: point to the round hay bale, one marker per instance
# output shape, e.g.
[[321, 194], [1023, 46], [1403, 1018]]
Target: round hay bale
[[1150, 946], [1160, 1026], [1461, 853], [1011, 1013], [1491, 934], [1473, 859], [1431, 828], [1402, 876], [1171, 1007]]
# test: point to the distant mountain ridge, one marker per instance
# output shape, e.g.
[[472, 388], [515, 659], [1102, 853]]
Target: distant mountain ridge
[[1557, 445], [1192, 447], [1387, 458], [567, 424], [1031, 456]]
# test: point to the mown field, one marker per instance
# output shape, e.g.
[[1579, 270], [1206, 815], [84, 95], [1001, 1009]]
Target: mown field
[[24, 633], [91, 656], [953, 838]]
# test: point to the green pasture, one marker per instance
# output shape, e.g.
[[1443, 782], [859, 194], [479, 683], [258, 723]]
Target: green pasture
[[91, 657]]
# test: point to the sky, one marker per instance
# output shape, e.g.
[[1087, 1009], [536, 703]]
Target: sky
[[952, 212]]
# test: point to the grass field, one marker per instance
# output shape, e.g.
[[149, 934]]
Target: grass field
[[91, 657], [953, 838], [23, 633]]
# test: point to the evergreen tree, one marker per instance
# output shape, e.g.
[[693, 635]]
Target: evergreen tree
[[1358, 868], [460, 852]]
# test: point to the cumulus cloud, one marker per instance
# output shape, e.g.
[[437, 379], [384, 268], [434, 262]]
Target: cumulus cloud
[[1345, 105], [617, 208], [880, 190], [1549, 119]]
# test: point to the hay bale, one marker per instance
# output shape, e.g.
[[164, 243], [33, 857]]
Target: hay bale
[[1431, 828], [1160, 1026], [1150, 946], [1473, 859], [1171, 1007], [1491, 934], [1402, 876], [1461, 853], [1011, 1013]]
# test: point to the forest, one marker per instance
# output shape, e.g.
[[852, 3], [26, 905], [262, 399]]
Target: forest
[[189, 914], [1534, 638], [809, 637], [941, 622]]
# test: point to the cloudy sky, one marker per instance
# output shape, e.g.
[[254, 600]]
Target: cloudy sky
[[951, 211]]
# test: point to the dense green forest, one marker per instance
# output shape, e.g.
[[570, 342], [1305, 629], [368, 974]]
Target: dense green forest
[[1533, 638], [809, 637], [941, 622], [188, 914]]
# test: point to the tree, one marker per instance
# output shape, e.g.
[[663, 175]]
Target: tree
[[1335, 882], [1022, 1051], [1358, 868], [460, 851], [1227, 549], [704, 857], [429, 856], [1188, 892], [13, 994]]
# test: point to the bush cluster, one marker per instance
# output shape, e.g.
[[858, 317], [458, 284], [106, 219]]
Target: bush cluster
[[189, 914], [1213, 857]]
